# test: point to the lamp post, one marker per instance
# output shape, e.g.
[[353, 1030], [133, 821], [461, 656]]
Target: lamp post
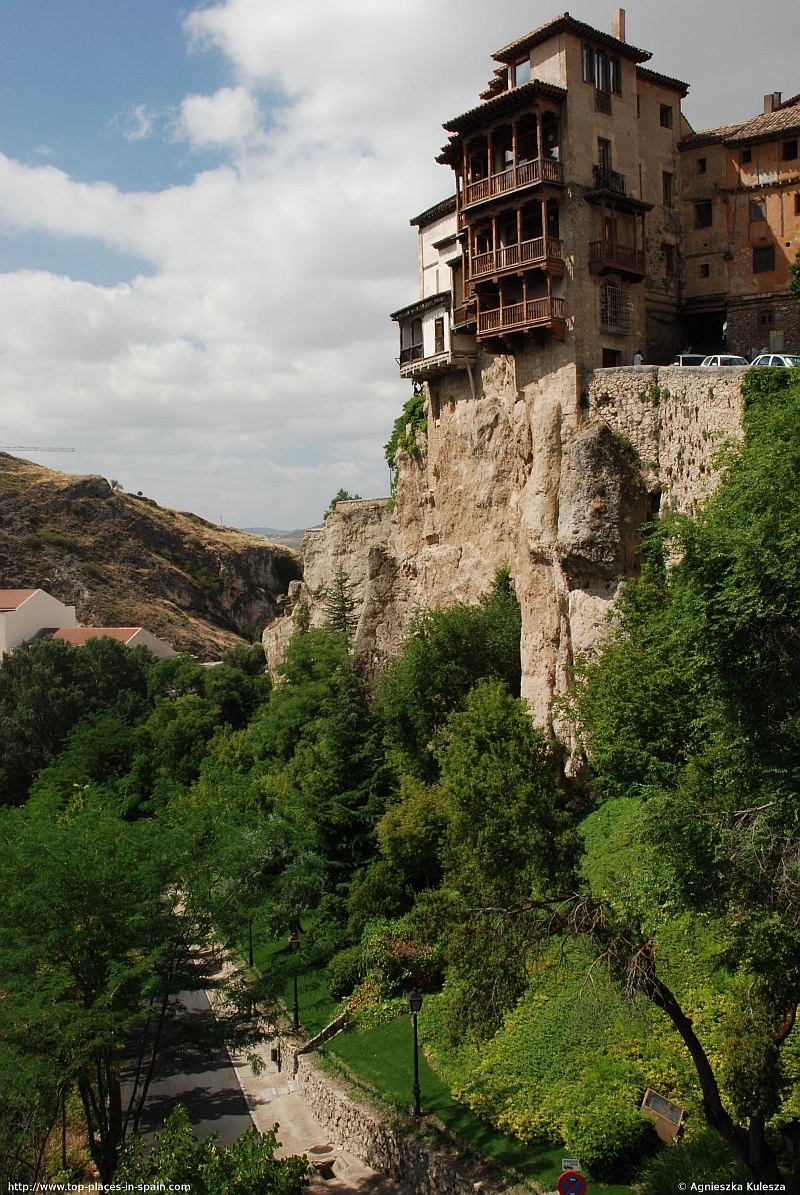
[[294, 943], [415, 1004], [791, 1139]]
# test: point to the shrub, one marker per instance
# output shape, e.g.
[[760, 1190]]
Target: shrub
[[703, 1159], [343, 972]]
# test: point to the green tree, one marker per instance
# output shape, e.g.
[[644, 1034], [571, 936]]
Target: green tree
[[447, 651], [248, 1167], [339, 604], [340, 496]]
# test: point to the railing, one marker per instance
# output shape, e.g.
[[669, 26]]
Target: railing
[[535, 311], [539, 170], [609, 180], [609, 253], [463, 315], [602, 101], [515, 255], [414, 352]]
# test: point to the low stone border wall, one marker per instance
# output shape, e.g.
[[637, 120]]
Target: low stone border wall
[[361, 1130]]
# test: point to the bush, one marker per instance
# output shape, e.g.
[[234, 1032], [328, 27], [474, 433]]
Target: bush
[[343, 972], [703, 1159]]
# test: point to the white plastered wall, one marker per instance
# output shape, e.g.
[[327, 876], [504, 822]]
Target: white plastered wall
[[36, 612]]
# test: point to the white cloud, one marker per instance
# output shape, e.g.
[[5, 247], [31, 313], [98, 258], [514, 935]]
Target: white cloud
[[136, 121], [230, 116], [253, 373]]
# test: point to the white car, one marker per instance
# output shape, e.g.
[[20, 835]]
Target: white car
[[780, 359], [725, 359]]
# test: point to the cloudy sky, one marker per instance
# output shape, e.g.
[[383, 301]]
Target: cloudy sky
[[204, 220]]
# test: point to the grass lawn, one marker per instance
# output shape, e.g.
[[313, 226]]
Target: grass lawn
[[317, 1007], [383, 1058]]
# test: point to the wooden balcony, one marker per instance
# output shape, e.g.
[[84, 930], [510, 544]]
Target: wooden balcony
[[540, 170], [607, 255], [414, 352], [545, 312], [511, 257], [443, 361]]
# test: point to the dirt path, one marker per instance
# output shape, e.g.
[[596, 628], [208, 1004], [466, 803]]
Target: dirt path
[[273, 1097]]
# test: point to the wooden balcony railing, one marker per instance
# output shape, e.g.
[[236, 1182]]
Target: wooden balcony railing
[[414, 352], [520, 315], [463, 315], [509, 256], [539, 170], [622, 256]]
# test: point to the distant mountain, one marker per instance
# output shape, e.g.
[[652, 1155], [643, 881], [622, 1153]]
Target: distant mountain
[[292, 539], [123, 560]]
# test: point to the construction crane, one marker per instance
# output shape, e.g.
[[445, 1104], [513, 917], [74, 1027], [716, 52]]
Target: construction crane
[[31, 448]]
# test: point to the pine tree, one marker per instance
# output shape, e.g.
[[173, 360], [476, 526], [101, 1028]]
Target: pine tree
[[340, 604]]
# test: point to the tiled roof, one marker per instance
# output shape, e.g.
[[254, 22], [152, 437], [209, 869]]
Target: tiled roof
[[644, 72], [443, 208], [507, 101], [567, 24], [80, 635], [785, 119], [10, 599], [442, 299]]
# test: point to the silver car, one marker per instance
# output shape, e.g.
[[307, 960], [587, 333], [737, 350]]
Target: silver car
[[785, 360], [725, 359]]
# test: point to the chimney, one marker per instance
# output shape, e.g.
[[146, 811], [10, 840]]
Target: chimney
[[618, 23], [772, 101]]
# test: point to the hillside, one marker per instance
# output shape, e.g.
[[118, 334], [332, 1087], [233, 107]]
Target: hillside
[[122, 559]]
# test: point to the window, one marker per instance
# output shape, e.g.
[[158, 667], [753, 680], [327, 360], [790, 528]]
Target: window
[[745, 156], [703, 217], [588, 64], [615, 308], [666, 188], [522, 72], [603, 154], [638, 105], [797, 203], [614, 77], [701, 165], [669, 260], [763, 258], [665, 116], [602, 102], [705, 270], [600, 70], [438, 336], [612, 358], [758, 210], [766, 318], [790, 150]]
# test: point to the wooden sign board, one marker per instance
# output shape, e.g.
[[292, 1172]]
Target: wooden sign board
[[668, 1116]]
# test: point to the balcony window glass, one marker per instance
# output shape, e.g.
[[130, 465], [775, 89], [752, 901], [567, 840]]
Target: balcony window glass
[[522, 72], [600, 71], [703, 215], [665, 116], [614, 76], [758, 210], [666, 189], [588, 64], [763, 258], [790, 150], [603, 154]]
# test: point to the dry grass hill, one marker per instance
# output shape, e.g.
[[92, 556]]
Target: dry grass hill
[[123, 560]]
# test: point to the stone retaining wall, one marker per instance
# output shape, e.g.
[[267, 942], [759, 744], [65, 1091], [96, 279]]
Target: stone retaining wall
[[363, 1132]]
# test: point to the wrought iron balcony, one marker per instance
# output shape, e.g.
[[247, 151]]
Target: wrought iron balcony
[[609, 180], [509, 257], [536, 312], [524, 175]]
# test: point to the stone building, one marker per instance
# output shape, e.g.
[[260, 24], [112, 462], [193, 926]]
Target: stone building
[[740, 194], [564, 231]]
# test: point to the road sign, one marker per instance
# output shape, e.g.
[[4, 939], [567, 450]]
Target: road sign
[[571, 1183], [570, 1164]]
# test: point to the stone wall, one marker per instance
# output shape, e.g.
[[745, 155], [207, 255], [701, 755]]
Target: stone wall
[[550, 471], [366, 1134], [745, 330]]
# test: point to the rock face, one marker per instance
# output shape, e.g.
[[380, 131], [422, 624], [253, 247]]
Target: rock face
[[553, 473], [122, 560]]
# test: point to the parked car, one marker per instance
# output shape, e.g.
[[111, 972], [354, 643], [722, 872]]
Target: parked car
[[717, 359], [786, 360], [689, 359]]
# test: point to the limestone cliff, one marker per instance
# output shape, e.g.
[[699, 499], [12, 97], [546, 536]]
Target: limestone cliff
[[123, 560], [550, 471]]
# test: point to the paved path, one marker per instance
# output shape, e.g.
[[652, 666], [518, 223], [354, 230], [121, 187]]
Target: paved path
[[209, 1088], [273, 1097]]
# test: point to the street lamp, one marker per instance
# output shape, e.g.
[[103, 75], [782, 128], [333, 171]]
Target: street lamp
[[415, 1004], [791, 1139], [294, 943]]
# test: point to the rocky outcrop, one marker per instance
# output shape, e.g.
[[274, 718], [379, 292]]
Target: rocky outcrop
[[550, 471], [123, 560]]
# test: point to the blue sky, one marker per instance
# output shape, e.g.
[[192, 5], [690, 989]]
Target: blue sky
[[204, 220]]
